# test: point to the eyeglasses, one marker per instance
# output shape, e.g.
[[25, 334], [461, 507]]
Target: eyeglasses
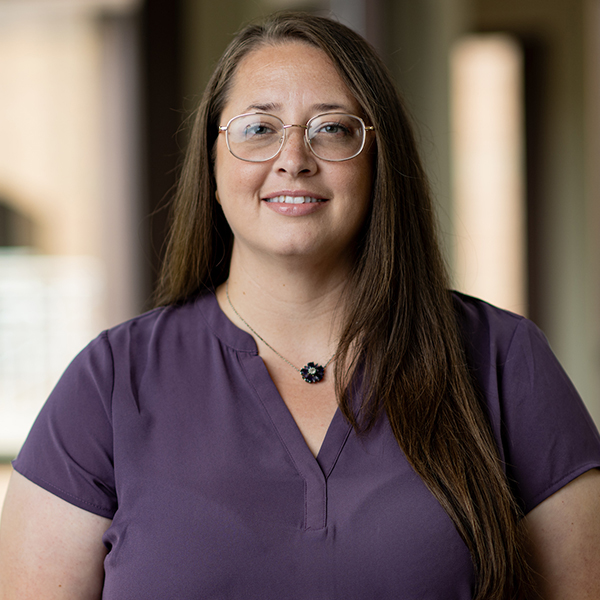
[[258, 137]]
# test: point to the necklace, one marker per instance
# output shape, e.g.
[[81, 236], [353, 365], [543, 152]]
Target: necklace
[[311, 372]]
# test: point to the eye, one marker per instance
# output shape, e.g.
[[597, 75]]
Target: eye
[[258, 129], [337, 129]]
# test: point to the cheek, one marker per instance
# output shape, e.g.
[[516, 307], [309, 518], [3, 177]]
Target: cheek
[[235, 178]]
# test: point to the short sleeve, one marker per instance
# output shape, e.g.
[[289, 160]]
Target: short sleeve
[[69, 450], [548, 436]]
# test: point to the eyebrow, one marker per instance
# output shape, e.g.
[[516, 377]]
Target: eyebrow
[[318, 108]]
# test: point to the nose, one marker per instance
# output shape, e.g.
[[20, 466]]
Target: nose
[[295, 157]]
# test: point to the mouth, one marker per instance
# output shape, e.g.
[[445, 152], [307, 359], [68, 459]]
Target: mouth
[[294, 199]]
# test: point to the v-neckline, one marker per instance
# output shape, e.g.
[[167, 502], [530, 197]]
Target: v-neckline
[[283, 420], [314, 470]]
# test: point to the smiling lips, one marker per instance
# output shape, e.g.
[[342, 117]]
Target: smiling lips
[[294, 199]]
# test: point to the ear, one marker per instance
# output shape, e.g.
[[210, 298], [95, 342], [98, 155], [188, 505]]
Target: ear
[[217, 196]]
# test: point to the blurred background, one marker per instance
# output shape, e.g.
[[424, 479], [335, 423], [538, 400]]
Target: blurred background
[[94, 96]]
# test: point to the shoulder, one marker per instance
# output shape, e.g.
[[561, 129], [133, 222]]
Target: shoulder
[[176, 315], [478, 320], [167, 341], [127, 349], [508, 354], [493, 335], [161, 327], [544, 434], [198, 319]]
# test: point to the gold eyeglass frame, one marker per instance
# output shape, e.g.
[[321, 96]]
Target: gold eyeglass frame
[[366, 128]]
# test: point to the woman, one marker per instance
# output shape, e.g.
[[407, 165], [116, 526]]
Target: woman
[[211, 463]]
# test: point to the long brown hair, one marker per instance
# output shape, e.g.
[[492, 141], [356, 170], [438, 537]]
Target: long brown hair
[[401, 316]]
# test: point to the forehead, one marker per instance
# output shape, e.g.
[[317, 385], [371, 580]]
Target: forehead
[[288, 76]]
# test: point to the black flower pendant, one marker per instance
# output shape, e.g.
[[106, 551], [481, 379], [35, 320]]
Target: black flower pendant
[[312, 372]]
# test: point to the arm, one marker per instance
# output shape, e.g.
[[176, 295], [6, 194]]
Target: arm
[[564, 536], [49, 549]]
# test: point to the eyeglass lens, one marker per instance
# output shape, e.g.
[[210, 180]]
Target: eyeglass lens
[[259, 137]]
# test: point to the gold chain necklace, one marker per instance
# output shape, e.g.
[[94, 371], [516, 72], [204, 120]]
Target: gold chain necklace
[[311, 373]]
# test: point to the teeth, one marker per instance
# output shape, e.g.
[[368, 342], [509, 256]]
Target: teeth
[[293, 199]]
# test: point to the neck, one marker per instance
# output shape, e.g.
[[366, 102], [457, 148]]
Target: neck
[[297, 308]]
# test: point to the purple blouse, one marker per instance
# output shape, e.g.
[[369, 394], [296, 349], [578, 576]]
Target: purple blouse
[[170, 425]]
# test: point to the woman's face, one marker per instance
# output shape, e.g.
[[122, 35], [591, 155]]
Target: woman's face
[[294, 81]]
